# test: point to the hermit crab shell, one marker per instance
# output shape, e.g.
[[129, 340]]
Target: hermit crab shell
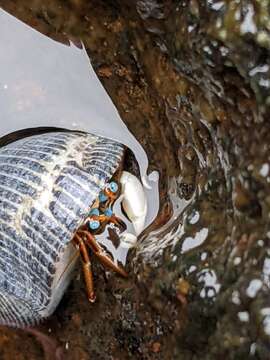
[[48, 183]]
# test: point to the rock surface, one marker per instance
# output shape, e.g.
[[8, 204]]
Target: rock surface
[[191, 80]]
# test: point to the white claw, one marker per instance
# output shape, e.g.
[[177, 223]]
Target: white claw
[[128, 240], [134, 200]]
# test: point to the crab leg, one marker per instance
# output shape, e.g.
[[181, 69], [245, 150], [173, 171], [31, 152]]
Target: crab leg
[[117, 221], [87, 271], [101, 254], [111, 198], [111, 219]]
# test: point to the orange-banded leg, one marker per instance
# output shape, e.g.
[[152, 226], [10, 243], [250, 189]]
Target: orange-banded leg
[[109, 217], [100, 253], [86, 263], [83, 238], [117, 221]]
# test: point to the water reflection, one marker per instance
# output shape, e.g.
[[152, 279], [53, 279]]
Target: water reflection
[[193, 242], [154, 243], [209, 282]]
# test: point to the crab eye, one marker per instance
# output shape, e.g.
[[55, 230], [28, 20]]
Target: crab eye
[[108, 212], [94, 224], [94, 211], [102, 197], [113, 187]]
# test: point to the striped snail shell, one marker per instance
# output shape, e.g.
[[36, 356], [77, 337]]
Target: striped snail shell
[[48, 183]]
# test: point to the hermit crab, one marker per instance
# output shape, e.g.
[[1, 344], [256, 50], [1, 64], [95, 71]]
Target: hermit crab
[[57, 192]]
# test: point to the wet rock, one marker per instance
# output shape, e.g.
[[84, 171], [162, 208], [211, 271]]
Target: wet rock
[[191, 80]]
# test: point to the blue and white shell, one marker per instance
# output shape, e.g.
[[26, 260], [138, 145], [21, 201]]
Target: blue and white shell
[[48, 183]]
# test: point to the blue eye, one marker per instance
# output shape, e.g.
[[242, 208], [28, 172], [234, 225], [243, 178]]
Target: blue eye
[[94, 224], [94, 211], [102, 197], [113, 187], [108, 212]]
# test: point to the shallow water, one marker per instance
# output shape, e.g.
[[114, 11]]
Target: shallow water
[[195, 95]]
